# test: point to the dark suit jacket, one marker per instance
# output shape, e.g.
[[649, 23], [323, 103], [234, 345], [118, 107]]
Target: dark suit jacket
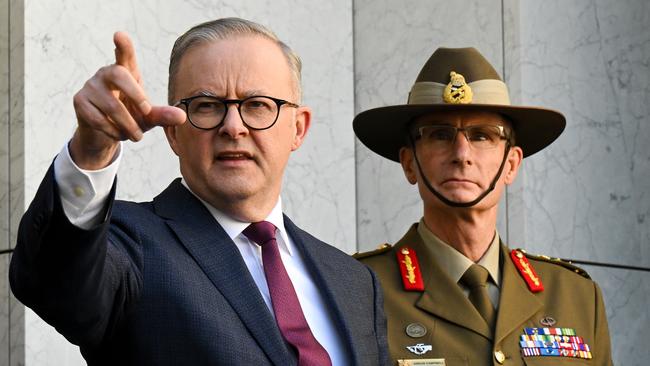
[[161, 283]]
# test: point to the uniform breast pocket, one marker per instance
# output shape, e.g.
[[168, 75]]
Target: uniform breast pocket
[[456, 361], [554, 361], [447, 361]]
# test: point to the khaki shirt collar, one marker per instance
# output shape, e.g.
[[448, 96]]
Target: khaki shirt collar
[[453, 263]]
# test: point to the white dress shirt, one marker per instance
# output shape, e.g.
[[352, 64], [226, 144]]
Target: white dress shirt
[[84, 194]]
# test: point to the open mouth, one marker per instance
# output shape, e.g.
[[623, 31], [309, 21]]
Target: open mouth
[[232, 155]]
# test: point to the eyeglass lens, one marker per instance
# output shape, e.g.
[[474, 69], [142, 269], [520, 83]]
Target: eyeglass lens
[[257, 112], [478, 136]]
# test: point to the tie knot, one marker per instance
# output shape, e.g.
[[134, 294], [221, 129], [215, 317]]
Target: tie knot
[[260, 232], [475, 275]]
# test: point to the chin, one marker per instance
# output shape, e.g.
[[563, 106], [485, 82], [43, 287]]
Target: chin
[[227, 188], [233, 192], [460, 195]]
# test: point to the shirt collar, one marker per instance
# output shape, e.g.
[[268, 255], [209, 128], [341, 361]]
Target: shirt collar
[[490, 259], [455, 263], [234, 228]]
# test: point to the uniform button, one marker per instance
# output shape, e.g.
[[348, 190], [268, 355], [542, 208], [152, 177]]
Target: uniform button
[[78, 191], [499, 356]]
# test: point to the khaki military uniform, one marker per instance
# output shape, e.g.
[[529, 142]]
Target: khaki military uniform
[[441, 322]]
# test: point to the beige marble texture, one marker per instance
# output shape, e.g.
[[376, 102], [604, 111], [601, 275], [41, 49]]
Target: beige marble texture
[[65, 42], [587, 196], [4, 127], [4, 184], [74, 38]]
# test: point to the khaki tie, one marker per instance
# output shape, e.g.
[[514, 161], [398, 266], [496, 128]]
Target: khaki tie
[[475, 279]]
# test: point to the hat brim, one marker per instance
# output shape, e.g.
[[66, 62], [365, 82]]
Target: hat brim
[[384, 130]]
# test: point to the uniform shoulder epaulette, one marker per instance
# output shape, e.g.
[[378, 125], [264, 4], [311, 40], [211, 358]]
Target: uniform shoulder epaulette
[[380, 249], [544, 258]]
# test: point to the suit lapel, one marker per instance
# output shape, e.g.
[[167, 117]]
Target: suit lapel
[[442, 296], [330, 281], [517, 303], [221, 261]]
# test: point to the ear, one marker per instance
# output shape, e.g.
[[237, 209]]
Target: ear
[[302, 124], [170, 132], [515, 157], [408, 164]]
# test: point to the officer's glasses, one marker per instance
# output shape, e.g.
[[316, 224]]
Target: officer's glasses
[[257, 112], [444, 136]]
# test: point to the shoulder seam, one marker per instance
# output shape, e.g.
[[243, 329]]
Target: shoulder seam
[[557, 261], [382, 248]]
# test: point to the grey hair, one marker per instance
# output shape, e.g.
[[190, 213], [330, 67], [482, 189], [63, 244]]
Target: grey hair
[[222, 29]]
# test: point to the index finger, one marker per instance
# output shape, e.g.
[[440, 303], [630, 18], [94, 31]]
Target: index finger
[[125, 53]]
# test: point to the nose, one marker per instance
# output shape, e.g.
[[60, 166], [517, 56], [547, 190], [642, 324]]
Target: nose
[[461, 149], [232, 125]]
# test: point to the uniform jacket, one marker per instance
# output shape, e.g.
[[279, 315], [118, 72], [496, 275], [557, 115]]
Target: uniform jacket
[[456, 331], [161, 283]]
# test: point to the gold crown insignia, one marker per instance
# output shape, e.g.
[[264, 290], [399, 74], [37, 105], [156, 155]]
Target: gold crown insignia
[[457, 91]]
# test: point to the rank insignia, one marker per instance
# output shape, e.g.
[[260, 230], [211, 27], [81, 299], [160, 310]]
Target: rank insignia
[[410, 269], [457, 91], [420, 348], [526, 271], [559, 342]]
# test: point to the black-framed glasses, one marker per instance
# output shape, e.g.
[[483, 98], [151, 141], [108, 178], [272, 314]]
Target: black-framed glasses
[[479, 136], [258, 112]]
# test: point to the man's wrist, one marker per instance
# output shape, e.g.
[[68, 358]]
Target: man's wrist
[[88, 157], [84, 192]]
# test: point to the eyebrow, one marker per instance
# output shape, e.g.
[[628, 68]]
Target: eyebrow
[[248, 93], [207, 93], [253, 92]]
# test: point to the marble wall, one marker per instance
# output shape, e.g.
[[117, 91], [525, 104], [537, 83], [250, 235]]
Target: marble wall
[[4, 184], [65, 42], [11, 174], [583, 198], [587, 197], [75, 38], [392, 42]]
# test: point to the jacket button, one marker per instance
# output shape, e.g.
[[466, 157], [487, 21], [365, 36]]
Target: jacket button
[[500, 357]]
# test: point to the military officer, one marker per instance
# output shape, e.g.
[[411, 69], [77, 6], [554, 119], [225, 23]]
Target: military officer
[[455, 294]]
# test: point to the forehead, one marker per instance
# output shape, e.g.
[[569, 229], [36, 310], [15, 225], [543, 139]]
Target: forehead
[[238, 66], [462, 118]]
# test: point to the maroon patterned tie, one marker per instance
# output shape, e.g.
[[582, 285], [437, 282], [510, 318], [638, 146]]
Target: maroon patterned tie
[[288, 313]]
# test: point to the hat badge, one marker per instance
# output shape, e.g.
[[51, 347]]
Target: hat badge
[[457, 91]]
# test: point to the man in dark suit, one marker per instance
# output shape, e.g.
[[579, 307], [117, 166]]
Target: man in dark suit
[[455, 294], [211, 272]]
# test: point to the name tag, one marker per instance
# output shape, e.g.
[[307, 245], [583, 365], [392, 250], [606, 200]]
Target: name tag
[[422, 362]]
